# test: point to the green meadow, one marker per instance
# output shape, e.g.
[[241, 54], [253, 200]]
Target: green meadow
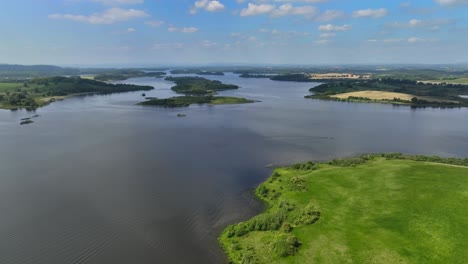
[[387, 208]]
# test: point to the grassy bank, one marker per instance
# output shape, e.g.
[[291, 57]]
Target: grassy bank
[[385, 208]]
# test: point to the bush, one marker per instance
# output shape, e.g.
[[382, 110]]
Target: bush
[[298, 184], [285, 245], [310, 214]]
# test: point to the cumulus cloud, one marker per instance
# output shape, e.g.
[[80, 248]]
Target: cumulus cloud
[[330, 15], [330, 27], [323, 41], [289, 9], [282, 10], [109, 16], [421, 24], [182, 30], [154, 23], [372, 13], [327, 35], [159, 46], [451, 2], [130, 30], [253, 9], [210, 6]]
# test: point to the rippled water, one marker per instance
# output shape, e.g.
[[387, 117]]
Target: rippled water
[[97, 179]]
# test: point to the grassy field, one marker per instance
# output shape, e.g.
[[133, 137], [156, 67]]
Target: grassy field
[[380, 211], [375, 95]]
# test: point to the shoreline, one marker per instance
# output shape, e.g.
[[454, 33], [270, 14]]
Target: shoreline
[[236, 238]]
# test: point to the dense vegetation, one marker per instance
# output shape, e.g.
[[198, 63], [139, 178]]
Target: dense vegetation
[[425, 94], [39, 91], [254, 75], [184, 101], [198, 85], [381, 208], [293, 77], [117, 75]]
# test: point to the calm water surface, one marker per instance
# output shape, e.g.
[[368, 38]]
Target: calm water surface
[[97, 179]]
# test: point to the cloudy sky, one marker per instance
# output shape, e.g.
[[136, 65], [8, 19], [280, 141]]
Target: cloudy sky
[[157, 32]]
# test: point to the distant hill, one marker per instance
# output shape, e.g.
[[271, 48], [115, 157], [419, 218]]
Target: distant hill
[[31, 71]]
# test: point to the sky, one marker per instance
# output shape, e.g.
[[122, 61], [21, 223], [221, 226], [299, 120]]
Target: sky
[[189, 32]]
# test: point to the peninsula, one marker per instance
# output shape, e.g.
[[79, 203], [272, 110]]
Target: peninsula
[[38, 92], [381, 208], [394, 91]]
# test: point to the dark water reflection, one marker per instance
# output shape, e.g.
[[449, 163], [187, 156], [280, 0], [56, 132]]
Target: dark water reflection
[[97, 179]]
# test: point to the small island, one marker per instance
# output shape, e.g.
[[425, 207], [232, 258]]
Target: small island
[[197, 72], [34, 93], [393, 91], [379, 208], [196, 90], [184, 101], [120, 75]]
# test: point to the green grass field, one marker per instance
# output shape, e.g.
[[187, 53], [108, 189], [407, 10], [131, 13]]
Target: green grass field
[[382, 211], [6, 86]]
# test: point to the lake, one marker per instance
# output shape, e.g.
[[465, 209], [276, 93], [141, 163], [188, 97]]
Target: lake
[[98, 179]]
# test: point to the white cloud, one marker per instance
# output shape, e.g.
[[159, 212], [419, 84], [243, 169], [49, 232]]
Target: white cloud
[[119, 2], [421, 24], [323, 41], [109, 16], [327, 35], [210, 6], [182, 30], [289, 9], [209, 43], [451, 2], [393, 40], [330, 15], [159, 46], [154, 23], [253, 9], [330, 27], [282, 10], [130, 30], [419, 40], [373, 13]]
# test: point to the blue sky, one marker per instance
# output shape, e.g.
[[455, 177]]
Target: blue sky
[[158, 32]]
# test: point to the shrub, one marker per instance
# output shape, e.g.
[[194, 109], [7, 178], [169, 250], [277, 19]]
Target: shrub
[[298, 184], [285, 245]]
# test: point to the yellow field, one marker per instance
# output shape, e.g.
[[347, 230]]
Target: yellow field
[[375, 95]]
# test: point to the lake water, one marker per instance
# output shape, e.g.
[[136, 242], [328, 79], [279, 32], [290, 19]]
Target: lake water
[[97, 179]]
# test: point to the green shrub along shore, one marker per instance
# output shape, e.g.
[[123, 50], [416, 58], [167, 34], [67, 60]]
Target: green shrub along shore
[[378, 208]]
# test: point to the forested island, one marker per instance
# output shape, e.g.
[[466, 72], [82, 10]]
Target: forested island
[[380, 208], [395, 91], [197, 72], [41, 91], [196, 90], [119, 75]]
